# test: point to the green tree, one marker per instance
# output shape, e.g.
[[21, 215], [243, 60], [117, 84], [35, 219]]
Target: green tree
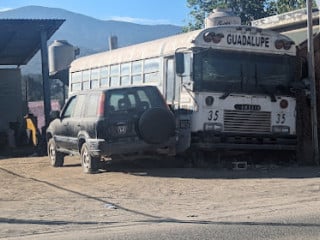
[[283, 6], [248, 10]]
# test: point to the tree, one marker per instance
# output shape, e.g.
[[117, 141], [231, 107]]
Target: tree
[[248, 10], [283, 6]]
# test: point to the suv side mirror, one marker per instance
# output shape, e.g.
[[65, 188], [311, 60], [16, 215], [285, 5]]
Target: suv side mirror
[[179, 58]]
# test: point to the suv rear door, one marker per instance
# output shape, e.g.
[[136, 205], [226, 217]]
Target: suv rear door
[[121, 114], [90, 116], [75, 123], [62, 130], [125, 106]]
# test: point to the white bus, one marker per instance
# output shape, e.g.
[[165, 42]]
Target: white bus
[[229, 86]]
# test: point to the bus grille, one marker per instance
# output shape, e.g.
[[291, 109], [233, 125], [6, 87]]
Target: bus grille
[[247, 121]]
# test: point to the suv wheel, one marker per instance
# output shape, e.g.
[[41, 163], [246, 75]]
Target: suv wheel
[[156, 125], [88, 162], [56, 157]]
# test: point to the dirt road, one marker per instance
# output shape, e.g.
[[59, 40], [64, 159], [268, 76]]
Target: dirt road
[[36, 199]]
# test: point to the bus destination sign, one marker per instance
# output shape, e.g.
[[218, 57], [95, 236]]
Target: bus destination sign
[[248, 40]]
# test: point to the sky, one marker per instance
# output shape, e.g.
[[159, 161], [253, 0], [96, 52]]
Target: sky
[[138, 11]]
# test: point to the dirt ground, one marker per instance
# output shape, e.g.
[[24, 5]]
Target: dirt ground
[[36, 199]]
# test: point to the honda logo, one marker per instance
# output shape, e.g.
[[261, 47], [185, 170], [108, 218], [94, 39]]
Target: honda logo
[[122, 129]]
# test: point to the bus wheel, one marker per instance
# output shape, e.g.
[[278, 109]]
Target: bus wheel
[[56, 157], [88, 162], [156, 125]]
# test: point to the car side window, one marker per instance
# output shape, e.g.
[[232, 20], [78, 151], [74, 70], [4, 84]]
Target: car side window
[[115, 100], [68, 111], [79, 105], [92, 105]]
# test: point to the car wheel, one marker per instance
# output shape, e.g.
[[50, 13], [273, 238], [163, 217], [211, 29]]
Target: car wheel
[[156, 125], [56, 157], [88, 162]]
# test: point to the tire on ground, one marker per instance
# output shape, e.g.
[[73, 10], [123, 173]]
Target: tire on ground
[[89, 163], [156, 125], [56, 157]]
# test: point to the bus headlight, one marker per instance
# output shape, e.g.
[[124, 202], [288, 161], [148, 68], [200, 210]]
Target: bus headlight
[[217, 127], [209, 100], [284, 103], [280, 129]]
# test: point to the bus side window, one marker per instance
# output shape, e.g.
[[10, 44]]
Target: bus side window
[[151, 70], [114, 75], [136, 73]]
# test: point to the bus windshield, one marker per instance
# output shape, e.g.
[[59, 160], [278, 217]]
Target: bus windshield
[[243, 72]]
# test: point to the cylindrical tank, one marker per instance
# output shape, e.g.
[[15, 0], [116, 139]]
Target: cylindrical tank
[[221, 16], [61, 54]]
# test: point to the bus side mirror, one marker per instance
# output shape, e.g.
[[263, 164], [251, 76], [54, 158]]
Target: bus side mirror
[[179, 58]]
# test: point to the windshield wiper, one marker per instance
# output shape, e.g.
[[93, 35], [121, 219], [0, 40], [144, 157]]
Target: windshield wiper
[[269, 92], [228, 92], [225, 95]]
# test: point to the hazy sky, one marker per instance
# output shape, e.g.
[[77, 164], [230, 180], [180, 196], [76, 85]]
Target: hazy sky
[[138, 11]]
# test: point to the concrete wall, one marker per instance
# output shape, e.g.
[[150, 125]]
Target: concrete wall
[[300, 35], [10, 97], [304, 130]]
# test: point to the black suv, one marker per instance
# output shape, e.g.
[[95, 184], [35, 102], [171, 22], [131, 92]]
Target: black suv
[[111, 122]]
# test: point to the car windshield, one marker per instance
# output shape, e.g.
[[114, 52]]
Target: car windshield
[[143, 98], [242, 72]]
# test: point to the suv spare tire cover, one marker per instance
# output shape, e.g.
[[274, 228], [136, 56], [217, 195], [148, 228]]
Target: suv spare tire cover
[[156, 125]]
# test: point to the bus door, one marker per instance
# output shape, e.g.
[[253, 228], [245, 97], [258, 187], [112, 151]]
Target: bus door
[[172, 95], [170, 87]]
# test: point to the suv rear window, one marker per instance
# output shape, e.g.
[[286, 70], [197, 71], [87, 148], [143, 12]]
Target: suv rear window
[[133, 98]]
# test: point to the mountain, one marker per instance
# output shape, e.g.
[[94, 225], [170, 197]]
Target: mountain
[[87, 33]]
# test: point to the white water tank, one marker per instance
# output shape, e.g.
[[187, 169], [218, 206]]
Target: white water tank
[[61, 54], [221, 16]]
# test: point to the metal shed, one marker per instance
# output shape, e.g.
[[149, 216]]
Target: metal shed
[[20, 40]]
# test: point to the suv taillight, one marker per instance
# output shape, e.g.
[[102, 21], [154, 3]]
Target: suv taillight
[[101, 105]]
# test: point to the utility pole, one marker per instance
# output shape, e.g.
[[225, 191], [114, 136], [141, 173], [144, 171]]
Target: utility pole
[[311, 75]]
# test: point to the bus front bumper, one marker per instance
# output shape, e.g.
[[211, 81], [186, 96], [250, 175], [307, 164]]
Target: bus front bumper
[[214, 141]]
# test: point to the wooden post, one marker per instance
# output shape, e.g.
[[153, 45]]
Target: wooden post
[[45, 77], [311, 75]]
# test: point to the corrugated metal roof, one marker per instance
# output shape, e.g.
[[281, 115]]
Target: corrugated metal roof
[[20, 38]]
